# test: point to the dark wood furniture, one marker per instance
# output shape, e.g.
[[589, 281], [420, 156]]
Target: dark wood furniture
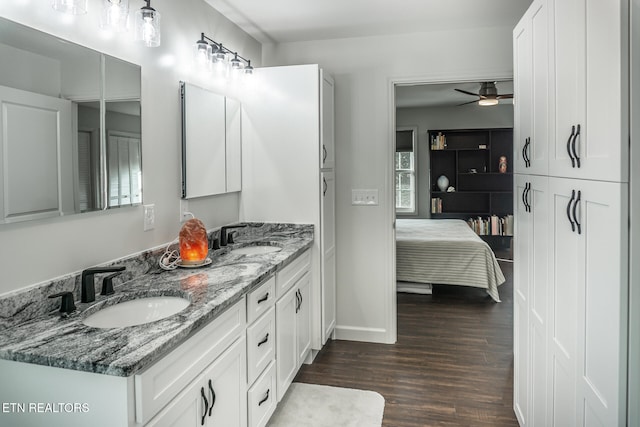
[[470, 161]]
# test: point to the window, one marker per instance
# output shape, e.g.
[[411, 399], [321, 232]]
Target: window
[[405, 171]]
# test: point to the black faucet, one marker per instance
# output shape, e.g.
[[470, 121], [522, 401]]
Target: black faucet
[[223, 233], [67, 306], [88, 290]]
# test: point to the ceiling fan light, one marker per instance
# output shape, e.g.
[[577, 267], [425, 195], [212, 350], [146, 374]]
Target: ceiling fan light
[[485, 102]]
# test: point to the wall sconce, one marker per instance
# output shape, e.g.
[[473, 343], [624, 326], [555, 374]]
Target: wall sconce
[[212, 55], [72, 7], [148, 25], [115, 14], [194, 244]]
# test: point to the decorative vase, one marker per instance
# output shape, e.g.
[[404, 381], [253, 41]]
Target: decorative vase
[[443, 183], [502, 164]]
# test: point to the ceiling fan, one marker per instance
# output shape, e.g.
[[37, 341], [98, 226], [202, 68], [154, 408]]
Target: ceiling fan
[[488, 94]]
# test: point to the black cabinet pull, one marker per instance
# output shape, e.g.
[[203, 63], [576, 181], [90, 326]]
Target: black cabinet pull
[[573, 146], [264, 298], [573, 196], [297, 301], [575, 217], [527, 197], [264, 340], [300, 303], [324, 184], [206, 405], [324, 153], [213, 397], [524, 149], [524, 199], [527, 149], [265, 398], [573, 160]]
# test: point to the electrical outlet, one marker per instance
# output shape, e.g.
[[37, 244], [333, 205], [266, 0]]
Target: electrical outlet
[[149, 212], [184, 209]]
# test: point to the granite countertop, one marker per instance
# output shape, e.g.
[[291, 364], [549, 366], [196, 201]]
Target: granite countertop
[[67, 343]]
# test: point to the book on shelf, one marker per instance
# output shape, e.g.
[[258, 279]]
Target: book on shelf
[[492, 225], [436, 205], [438, 142]]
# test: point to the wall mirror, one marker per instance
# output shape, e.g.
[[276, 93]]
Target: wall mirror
[[211, 142], [70, 133]]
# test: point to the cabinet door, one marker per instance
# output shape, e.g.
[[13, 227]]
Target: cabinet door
[[522, 92], [589, 81], [196, 405], [303, 320], [522, 281], [327, 133], [328, 260], [286, 353]]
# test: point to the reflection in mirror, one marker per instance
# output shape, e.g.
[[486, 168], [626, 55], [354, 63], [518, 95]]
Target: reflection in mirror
[[70, 134]]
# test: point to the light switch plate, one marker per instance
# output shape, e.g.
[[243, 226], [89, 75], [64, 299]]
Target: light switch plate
[[184, 210], [149, 212], [364, 197]]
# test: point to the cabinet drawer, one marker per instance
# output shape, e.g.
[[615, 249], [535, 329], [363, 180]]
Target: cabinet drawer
[[261, 338], [261, 398], [158, 384], [260, 299], [286, 277]]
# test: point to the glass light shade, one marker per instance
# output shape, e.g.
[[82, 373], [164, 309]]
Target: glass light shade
[[148, 26], [202, 54], [194, 245], [488, 101], [72, 7], [248, 69], [115, 14]]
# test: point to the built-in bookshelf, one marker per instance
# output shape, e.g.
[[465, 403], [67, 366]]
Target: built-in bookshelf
[[470, 159]]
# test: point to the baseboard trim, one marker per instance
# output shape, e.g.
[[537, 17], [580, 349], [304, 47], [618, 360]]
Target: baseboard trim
[[415, 288], [351, 333]]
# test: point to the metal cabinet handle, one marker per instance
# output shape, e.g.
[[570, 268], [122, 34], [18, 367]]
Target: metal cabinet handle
[[573, 146], [206, 405], [297, 301], [325, 186], [265, 398], [324, 153], [264, 340], [524, 149], [264, 298], [573, 160], [527, 196], [524, 200], [527, 149], [573, 196], [213, 397], [575, 217]]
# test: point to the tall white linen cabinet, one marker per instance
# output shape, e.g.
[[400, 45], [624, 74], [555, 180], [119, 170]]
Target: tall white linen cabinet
[[288, 170], [571, 157]]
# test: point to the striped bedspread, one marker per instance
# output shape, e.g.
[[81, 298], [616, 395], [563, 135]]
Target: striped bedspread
[[445, 251]]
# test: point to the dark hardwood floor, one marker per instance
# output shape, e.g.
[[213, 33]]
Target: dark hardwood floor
[[452, 364]]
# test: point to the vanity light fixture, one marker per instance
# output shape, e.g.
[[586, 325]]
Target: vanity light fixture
[[147, 25], [115, 14], [72, 7], [218, 55]]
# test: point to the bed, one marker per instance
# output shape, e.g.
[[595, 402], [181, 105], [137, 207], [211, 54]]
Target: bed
[[445, 251]]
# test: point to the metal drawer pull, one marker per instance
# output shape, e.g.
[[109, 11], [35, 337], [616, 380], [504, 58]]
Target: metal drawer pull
[[324, 153], [213, 397], [573, 160], [573, 146], [264, 298], [575, 217], [573, 195], [206, 405], [264, 340], [265, 398]]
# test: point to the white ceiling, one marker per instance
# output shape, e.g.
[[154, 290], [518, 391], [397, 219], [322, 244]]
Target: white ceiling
[[445, 95], [281, 21]]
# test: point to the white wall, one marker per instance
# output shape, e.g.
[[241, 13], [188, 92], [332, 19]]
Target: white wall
[[36, 251], [426, 119], [364, 69]]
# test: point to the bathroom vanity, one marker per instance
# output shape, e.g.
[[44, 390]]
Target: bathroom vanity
[[224, 360]]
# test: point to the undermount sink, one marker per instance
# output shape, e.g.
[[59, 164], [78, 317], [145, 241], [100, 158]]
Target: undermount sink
[[136, 312], [256, 250]]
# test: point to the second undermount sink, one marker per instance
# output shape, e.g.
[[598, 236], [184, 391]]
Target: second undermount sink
[[256, 250], [136, 312]]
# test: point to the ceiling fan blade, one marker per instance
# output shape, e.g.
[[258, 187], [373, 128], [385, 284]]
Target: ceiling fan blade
[[505, 96], [470, 102], [467, 93]]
